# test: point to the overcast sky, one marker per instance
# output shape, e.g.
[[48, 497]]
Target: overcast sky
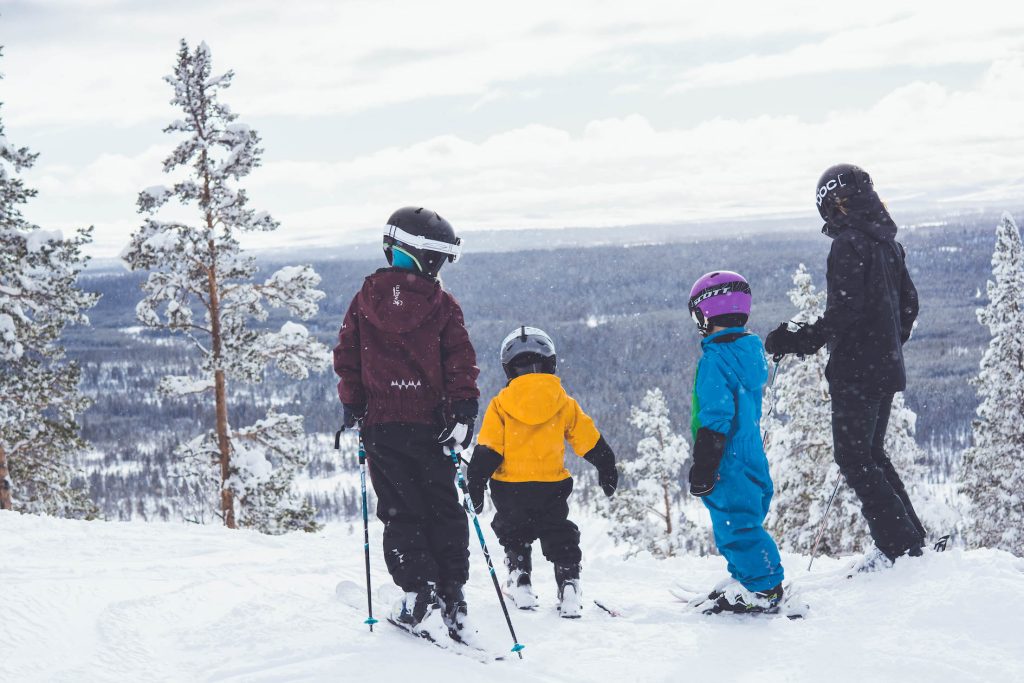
[[524, 114]]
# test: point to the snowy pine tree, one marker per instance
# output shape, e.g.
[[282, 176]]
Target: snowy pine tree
[[648, 515], [39, 395], [801, 454], [800, 446], [991, 477], [200, 269]]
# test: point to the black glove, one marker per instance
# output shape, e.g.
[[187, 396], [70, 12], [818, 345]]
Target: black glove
[[353, 415], [707, 455], [602, 457], [782, 340], [460, 432], [481, 466]]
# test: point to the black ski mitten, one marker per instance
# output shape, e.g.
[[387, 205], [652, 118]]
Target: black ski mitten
[[352, 415], [602, 457], [782, 340], [460, 432], [707, 455], [481, 466]]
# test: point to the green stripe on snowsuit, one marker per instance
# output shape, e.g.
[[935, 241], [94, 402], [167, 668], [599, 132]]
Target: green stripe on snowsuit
[[727, 388]]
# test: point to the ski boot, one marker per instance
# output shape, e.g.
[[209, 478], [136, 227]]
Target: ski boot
[[742, 601], [519, 587], [570, 597], [454, 613], [873, 560], [419, 613]]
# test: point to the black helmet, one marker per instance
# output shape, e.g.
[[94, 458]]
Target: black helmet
[[835, 187], [424, 236], [526, 350]]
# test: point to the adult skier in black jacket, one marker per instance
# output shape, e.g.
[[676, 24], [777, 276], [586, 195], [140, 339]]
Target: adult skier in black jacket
[[871, 308]]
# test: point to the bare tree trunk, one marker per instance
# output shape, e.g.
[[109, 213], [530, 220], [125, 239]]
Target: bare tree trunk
[[6, 502], [227, 498], [668, 519]]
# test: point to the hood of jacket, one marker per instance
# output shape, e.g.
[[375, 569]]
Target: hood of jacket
[[866, 213], [397, 300], [743, 353], [533, 399]]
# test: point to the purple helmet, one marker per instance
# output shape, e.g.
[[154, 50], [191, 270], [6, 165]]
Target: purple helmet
[[716, 294]]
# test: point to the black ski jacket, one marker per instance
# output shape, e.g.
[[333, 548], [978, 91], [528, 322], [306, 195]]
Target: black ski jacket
[[872, 302]]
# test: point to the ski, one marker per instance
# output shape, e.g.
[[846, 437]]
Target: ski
[[479, 654], [685, 594], [611, 611]]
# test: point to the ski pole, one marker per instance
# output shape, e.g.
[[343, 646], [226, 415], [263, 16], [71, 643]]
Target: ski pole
[[517, 647], [821, 529], [771, 387], [370, 621]]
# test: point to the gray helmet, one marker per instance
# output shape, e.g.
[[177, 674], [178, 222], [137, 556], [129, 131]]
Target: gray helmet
[[526, 350]]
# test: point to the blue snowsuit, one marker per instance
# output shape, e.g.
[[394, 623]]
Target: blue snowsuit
[[727, 399]]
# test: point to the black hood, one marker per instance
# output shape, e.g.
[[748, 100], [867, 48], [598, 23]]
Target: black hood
[[866, 213]]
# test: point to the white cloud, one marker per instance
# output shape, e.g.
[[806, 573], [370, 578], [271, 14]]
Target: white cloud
[[925, 140], [918, 141], [963, 33], [103, 63]]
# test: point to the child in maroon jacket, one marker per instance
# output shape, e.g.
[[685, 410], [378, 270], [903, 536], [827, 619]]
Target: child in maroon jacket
[[408, 380]]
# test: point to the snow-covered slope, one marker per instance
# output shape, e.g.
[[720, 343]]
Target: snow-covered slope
[[95, 601]]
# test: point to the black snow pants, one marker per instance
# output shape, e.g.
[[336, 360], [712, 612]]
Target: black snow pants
[[860, 417], [531, 510], [426, 533]]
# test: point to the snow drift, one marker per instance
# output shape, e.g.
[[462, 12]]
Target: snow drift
[[99, 601]]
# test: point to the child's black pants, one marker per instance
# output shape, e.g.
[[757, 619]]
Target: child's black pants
[[532, 510], [426, 533]]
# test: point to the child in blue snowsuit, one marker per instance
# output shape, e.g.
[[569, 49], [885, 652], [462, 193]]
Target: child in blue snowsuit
[[730, 470]]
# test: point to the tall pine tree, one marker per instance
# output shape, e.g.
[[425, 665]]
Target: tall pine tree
[[991, 477], [648, 516], [200, 270], [39, 395]]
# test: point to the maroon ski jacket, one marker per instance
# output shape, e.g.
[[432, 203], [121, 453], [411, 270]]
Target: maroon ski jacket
[[404, 351]]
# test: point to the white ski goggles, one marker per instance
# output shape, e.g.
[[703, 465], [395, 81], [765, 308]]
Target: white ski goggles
[[452, 251]]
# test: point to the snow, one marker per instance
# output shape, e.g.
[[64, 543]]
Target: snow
[[37, 239], [178, 385], [103, 601], [7, 328]]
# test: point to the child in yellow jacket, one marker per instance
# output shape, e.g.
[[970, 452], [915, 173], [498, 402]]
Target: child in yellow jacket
[[521, 451]]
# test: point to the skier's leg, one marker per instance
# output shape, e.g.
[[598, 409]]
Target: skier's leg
[[395, 475], [447, 529], [855, 418], [513, 523], [560, 543], [882, 459], [737, 506], [515, 528], [559, 536]]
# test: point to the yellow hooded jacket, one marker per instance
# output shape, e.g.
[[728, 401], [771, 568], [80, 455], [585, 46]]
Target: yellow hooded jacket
[[528, 423]]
